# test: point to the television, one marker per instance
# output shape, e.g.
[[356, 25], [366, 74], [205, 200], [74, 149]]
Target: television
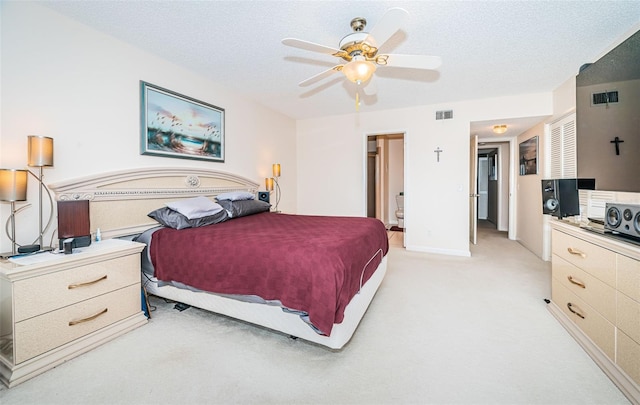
[[608, 118]]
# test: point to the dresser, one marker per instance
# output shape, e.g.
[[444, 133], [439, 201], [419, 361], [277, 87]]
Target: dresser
[[595, 294], [54, 307]]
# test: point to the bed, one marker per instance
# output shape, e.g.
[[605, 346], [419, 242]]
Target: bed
[[313, 246]]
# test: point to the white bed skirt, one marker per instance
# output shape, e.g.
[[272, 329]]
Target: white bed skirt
[[273, 317]]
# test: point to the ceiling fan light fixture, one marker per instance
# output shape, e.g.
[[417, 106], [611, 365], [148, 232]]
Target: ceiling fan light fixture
[[359, 70], [500, 129]]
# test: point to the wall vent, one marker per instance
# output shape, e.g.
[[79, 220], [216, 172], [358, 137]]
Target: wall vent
[[444, 115], [604, 98]]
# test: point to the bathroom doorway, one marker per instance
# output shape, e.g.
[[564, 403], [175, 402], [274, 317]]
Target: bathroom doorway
[[385, 177]]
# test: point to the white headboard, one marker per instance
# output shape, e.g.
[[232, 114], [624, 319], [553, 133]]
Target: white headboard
[[120, 201]]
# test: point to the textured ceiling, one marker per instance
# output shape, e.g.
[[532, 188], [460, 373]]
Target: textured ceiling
[[488, 48]]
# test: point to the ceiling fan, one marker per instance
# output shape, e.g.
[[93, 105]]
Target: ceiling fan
[[359, 51]]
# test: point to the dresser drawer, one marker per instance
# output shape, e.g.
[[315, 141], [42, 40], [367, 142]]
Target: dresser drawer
[[594, 325], [628, 316], [588, 288], [40, 334], [628, 356], [39, 295], [628, 281], [595, 260]]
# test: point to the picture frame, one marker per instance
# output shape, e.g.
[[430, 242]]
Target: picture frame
[[529, 156], [178, 126]]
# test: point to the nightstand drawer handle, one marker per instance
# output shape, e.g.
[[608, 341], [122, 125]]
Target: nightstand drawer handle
[[570, 306], [72, 286], [92, 317], [573, 281], [577, 252]]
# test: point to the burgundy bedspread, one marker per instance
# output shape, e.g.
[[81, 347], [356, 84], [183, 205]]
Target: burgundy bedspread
[[310, 263]]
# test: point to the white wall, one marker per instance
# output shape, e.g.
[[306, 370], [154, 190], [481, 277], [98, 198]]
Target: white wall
[[68, 81], [529, 209], [332, 172], [395, 176]]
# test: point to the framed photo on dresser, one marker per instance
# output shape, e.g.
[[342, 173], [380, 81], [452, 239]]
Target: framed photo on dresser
[[174, 125]]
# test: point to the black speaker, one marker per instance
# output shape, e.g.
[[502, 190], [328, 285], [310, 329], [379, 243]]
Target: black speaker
[[560, 197], [263, 196], [623, 218]]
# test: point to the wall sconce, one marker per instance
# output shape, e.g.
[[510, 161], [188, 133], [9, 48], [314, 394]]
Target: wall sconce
[[13, 187], [269, 183], [500, 129], [40, 154]]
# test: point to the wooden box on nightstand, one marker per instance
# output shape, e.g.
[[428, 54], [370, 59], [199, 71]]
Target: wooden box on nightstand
[[54, 307]]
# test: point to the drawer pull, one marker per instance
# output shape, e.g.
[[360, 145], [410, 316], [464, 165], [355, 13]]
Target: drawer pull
[[573, 281], [570, 306], [92, 317], [577, 252], [72, 286]]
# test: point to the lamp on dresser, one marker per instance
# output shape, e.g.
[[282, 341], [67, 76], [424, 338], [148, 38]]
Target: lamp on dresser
[[40, 154], [13, 187]]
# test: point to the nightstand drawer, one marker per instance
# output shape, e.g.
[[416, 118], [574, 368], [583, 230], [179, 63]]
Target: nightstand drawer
[[45, 332], [42, 294], [595, 260], [588, 288], [594, 325]]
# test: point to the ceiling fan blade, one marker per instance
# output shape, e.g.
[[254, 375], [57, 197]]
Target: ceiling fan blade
[[390, 23], [410, 61], [320, 76], [310, 46]]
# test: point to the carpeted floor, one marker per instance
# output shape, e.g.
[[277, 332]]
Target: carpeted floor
[[441, 330]]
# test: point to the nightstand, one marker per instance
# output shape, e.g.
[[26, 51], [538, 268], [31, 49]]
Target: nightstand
[[54, 307]]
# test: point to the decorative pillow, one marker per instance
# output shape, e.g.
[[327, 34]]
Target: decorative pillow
[[173, 219], [236, 196], [196, 207], [242, 208]]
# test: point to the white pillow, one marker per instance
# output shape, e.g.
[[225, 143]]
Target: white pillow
[[196, 207], [236, 196]]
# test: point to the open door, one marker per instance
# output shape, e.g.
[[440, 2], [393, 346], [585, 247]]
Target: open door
[[473, 190]]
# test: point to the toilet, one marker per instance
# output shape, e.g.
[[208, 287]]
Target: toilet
[[400, 210]]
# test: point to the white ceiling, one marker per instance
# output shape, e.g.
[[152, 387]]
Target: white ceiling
[[488, 48]]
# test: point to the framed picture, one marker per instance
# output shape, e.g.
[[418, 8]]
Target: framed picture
[[173, 125], [529, 156]]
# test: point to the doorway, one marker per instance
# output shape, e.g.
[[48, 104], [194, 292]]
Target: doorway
[[493, 186], [385, 177]]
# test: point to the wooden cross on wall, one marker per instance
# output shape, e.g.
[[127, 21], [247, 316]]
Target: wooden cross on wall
[[617, 141]]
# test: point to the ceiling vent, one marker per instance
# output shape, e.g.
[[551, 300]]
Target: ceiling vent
[[444, 115], [604, 98]]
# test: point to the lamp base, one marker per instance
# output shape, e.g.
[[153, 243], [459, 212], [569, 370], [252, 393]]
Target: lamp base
[[28, 249]]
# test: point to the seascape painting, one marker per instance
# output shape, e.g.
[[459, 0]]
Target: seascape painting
[[529, 156], [174, 125]]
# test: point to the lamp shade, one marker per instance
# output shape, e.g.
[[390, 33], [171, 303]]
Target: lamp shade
[[276, 170], [268, 183], [40, 151], [13, 185], [359, 70]]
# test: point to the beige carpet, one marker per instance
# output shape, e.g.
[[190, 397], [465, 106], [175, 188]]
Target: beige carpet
[[441, 330]]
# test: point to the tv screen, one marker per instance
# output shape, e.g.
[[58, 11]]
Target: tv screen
[[608, 119]]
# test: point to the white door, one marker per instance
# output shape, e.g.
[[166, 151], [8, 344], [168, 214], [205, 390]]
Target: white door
[[483, 188], [473, 190]]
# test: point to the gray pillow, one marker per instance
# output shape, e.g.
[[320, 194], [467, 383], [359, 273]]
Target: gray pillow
[[243, 208], [173, 219]]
